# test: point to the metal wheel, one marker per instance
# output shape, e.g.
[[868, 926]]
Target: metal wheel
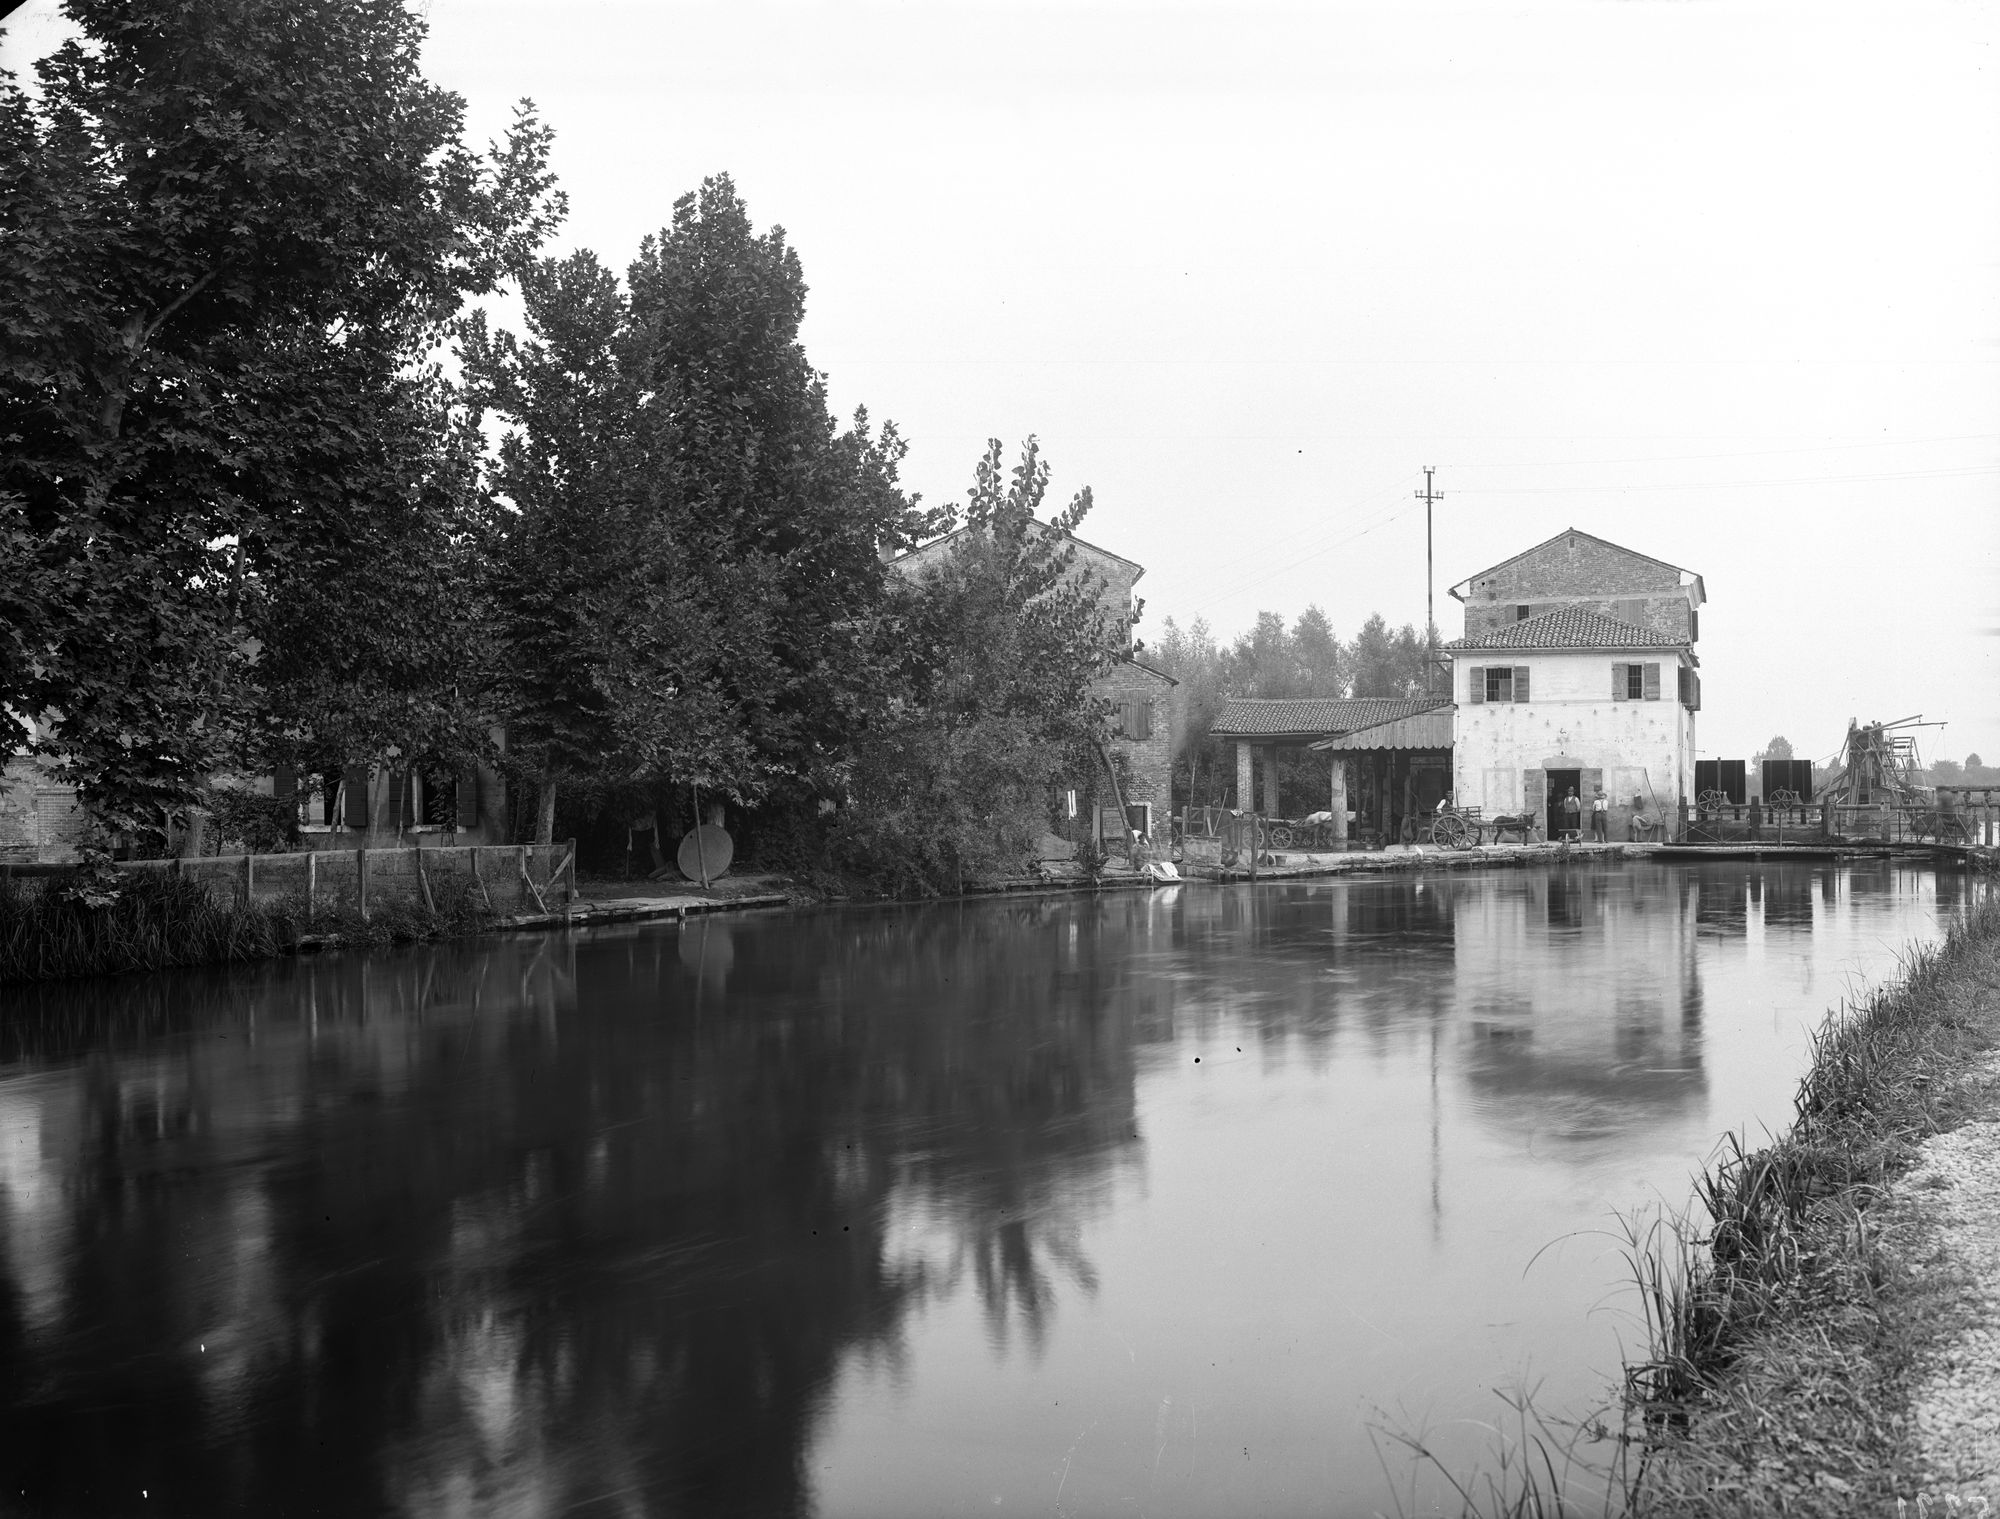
[[1712, 801], [1785, 799]]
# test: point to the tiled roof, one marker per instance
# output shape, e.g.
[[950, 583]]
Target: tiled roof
[[1566, 628], [1255, 717]]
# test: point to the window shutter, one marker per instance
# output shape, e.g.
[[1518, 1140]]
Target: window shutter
[[1652, 682], [1618, 683], [1143, 712], [1477, 691], [1697, 693], [356, 782], [1684, 677], [1535, 795], [468, 798], [1520, 683]]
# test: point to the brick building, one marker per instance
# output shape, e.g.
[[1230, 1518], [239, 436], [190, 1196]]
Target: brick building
[[1141, 698], [1577, 669]]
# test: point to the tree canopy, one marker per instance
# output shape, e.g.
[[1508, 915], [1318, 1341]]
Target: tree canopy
[[230, 232]]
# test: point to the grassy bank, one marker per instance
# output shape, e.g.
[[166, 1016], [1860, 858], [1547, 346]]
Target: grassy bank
[[1787, 1329], [89, 926]]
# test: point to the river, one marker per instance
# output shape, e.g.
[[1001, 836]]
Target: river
[[1198, 1202]]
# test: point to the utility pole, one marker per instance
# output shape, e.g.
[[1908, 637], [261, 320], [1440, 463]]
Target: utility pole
[[1429, 496]]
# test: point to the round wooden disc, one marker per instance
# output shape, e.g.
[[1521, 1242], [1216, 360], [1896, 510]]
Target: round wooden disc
[[715, 851]]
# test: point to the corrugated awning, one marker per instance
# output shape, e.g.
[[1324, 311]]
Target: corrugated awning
[[1307, 718], [1425, 730]]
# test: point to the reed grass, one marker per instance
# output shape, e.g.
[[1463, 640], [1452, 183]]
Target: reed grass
[[1786, 1320], [123, 923]]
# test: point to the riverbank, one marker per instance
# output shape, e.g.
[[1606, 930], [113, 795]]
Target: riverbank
[[1831, 1343]]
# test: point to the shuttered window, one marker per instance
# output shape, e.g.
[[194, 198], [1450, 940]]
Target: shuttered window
[[1520, 683], [1475, 684], [1628, 682], [1652, 682], [1500, 683], [1134, 719]]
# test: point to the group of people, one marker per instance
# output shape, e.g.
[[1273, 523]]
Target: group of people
[[1572, 812], [1600, 817]]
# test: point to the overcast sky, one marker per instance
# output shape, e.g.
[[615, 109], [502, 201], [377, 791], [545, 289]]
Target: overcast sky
[[1717, 281]]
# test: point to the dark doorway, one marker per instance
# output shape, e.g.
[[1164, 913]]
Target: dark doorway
[[1561, 784]]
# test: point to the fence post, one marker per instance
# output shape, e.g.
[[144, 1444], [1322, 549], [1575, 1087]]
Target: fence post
[[361, 882], [423, 880], [312, 885], [478, 880]]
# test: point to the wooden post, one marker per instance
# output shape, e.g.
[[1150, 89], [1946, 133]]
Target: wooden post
[[472, 850], [1339, 801], [312, 884], [528, 881], [423, 880], [569, 879], [361, 881], [249, 877]]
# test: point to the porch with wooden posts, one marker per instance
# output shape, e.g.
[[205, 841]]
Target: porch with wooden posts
[[1390, 759]]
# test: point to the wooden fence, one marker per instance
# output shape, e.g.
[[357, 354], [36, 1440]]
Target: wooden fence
[[505, 879]]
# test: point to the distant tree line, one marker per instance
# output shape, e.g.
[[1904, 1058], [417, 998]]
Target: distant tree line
[[1274, 661], [275, 492]]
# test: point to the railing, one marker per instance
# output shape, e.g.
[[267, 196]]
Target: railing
[[1952, 819], [505, 879]]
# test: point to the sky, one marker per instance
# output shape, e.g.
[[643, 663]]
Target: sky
[[1716, 281]]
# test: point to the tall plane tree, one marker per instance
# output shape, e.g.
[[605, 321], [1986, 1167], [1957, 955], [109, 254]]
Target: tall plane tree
[[229, 229], [779, 515]]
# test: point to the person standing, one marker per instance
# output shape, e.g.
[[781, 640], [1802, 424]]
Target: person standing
[[1600, 818], [1572, 816]]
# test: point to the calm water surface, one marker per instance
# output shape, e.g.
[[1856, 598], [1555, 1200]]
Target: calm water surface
[[1170, 1204]]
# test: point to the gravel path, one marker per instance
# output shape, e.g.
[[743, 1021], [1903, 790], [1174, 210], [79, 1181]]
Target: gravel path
[[1957, 1406]]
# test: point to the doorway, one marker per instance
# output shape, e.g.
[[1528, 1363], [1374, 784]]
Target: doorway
[[1561, 784]]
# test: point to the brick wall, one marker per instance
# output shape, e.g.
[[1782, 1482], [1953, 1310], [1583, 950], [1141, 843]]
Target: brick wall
[[1150, 759], [1669, 614], [39, 817], [1578, 570]]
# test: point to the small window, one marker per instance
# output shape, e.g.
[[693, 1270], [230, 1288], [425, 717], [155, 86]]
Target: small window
[[1500, 683], [1520, 614], [1635, 682]]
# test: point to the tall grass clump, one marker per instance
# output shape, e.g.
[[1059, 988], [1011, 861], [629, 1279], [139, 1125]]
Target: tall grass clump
[[102, 921], [1784, 1318], [89, 925]]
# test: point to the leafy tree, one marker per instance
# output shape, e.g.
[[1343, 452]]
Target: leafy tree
[[1779, 748], [780, 513], [995, 649], [226, 228], [604, 652], [1321, 659], [1190, 655], [1389, 663]]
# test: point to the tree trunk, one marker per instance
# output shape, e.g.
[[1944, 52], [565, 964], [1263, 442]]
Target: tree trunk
[[545, 820]]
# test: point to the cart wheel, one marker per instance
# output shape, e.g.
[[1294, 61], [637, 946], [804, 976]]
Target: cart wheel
[[1281, 837], [1462, 835]]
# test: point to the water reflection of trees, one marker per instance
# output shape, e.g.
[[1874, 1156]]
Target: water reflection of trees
[[405, 1231]]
